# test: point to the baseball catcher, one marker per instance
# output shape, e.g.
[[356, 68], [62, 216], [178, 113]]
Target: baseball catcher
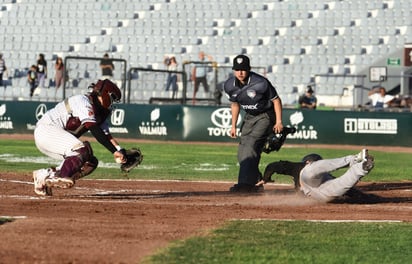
[[275, 141], [57, 135]]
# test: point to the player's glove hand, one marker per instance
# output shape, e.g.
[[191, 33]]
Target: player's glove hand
[[120, 156], [133, 158]]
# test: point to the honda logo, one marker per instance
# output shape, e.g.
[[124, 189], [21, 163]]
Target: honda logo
[[117, 117]]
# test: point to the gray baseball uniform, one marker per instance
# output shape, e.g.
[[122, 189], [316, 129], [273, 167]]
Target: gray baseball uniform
[[318, 183], [314, 178]]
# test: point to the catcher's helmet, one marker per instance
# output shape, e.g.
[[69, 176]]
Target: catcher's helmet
[[275, 141], [311, 157], [109, 92]]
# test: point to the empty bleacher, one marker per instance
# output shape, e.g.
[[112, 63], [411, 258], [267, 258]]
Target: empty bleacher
[[294, 40]]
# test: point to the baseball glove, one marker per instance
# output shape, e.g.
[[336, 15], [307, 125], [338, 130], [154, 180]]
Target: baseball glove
[[133, 158], [275, 141]]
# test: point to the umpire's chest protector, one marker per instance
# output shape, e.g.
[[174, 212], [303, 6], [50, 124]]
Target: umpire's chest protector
[[255, 97]]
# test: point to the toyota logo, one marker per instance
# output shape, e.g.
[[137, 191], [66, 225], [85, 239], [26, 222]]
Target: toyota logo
[[40, 111], [222, 117]]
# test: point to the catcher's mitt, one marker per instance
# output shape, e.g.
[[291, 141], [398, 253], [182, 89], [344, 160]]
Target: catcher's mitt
[[275, 141], [133, 158]]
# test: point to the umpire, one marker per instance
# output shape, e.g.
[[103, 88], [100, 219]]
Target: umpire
[[259, 99]]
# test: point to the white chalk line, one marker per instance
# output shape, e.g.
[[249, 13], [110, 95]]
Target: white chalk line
[[136, 197], [141, 180], [13, 158], [137, 193], [117, 196], [13, 217], [130, 195], [323, 220]]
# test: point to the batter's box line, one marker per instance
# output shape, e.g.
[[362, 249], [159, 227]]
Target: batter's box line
[[322, 220]]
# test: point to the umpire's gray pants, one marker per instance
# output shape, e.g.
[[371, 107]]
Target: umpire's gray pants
[[254, 132]]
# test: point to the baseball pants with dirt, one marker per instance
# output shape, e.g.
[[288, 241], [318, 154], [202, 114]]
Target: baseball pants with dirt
[[316, 182]]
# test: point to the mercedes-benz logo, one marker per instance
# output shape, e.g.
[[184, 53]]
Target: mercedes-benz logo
[[40, 111], [222, 117]]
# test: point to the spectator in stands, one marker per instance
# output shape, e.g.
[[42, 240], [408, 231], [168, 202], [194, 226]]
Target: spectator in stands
[[171, 65], [32, 79], [308, 100], [379, 98], [3, 69], [59, 72], [402, 101], [107, 66], [199, 73], [41, 70]]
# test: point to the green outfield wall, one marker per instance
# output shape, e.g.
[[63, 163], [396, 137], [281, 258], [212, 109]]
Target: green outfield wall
[[212, 123]]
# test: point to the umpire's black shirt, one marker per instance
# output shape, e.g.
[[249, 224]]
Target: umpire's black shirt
[[255, 97]]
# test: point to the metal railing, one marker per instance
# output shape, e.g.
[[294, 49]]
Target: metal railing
[[82, 73]]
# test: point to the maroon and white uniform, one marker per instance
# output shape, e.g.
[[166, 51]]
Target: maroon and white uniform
[[57, 135], [54, 139]]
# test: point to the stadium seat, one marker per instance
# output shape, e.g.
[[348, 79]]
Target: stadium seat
[[312, 34]]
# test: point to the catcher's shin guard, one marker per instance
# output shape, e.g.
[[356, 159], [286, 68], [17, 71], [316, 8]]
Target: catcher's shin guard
[[75, 167], [87, 168]]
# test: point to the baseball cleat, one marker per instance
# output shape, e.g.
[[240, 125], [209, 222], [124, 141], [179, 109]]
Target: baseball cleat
[[365, 154], [368, 164], [39, 177], [59, 182], [361, 156], [244, 188]]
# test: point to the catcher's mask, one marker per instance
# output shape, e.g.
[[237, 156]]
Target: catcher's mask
[[311, 157], [108, 91], [275, 141]]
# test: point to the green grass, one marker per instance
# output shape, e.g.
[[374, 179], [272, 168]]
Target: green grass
[[294, 242], [249, 241], [173, 161]]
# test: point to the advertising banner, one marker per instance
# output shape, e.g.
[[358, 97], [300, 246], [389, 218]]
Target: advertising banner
[[147, 122], [213, 124], [349, 127], [208, 123]]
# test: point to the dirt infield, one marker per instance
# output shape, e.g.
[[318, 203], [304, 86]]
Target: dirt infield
[[121, 221]]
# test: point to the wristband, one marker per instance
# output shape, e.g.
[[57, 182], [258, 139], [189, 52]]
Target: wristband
[[118, 148]]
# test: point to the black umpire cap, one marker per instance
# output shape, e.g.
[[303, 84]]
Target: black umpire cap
[[241, 63]]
